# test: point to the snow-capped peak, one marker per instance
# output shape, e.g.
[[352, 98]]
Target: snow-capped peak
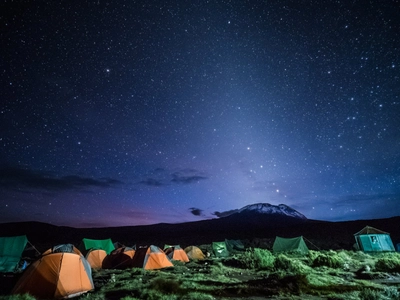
[[266, 208]]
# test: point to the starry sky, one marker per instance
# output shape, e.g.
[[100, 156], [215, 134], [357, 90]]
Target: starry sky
[[136, 112]]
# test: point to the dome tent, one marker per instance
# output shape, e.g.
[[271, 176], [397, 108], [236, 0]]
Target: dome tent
[[62, 272], [120, 258], [194, 252], [176, 253], [95, 258], [150, 258]]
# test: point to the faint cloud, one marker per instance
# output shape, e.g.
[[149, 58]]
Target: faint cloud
[[187, 176], [152, 182], [17, 177]]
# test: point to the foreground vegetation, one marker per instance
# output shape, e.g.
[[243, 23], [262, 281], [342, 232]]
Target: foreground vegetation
[[256, 274]]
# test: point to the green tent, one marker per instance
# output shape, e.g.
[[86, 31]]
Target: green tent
[[370, 239], [220, 249], [106, 245], [11, 249], [295, 244], [234, 245]]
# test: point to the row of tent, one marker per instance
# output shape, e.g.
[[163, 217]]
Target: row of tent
[[65, 271], [103, 253]]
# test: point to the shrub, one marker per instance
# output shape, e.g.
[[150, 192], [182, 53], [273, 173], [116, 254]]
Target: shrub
[[264, 258], [388, 263], [292, 265], [370, 294], [327, 259], [258, 259]]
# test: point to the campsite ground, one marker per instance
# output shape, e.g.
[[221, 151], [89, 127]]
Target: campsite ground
[[257, 274]]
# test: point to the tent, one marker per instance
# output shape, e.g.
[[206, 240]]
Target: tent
[[370, 239], [120, 258], [194, 252], [150, 257], [295, 244], [11, 249], [62, 272], [95, 258], [220, 249], [234, 245], [86, 244], [176, 253]]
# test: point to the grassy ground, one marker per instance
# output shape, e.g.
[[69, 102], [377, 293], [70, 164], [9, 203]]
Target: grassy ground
[[257, 274]]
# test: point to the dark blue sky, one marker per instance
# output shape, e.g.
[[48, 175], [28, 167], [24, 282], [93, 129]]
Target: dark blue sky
[[139, 112]]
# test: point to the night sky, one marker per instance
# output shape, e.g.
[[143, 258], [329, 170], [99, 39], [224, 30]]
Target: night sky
[[139, 112]]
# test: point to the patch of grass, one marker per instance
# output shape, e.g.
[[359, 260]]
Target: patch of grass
[[18, 297], [290, 265], [257, 258], [165, 286], [197, 296], [326, 259], [156, 295], [388, 263], [372, 294]]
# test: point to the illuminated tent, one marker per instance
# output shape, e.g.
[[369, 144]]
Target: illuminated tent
[[194, 252], [11, 249], [176, 253], [150, 257], [295, 244], [62, 272], [120, 258], [87, 244], [95, 258], [234, 245], [220, 249], [370, 239]]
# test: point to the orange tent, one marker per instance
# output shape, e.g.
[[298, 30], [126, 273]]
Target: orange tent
[[120, 258], [176, 253], [95, 258], [56, 274], [150, 258], [194, 252]]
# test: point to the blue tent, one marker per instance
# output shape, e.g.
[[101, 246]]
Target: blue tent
[[370, 239]]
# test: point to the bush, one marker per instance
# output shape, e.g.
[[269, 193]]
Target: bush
[[258, 259], [326, 259], [369, 294], [292, 265], [388, 263], [388, 293]]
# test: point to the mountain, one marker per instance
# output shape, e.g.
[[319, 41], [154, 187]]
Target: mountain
[[253, 223], [269, 209]]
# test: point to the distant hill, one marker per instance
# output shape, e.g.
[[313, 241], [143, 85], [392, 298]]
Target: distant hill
[[253, 222]]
